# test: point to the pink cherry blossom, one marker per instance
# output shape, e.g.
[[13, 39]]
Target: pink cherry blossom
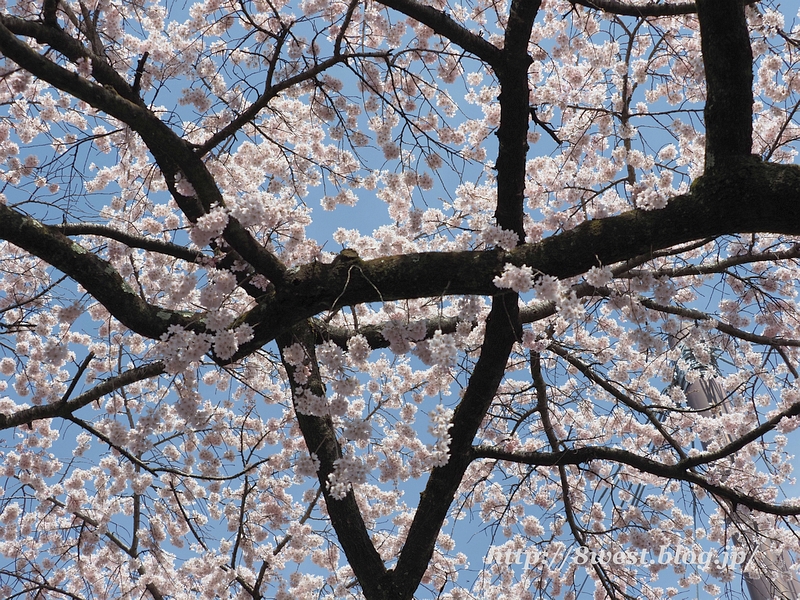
[[391, 299]]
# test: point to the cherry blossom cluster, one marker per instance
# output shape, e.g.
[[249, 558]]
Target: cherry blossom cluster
[[440, 418], [348, 471], [377, 134]]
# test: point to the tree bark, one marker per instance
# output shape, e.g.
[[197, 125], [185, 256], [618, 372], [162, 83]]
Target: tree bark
[[728, 61]]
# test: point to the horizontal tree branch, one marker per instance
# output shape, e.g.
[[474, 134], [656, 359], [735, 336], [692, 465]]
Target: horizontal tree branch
[[761, 197], [679, 471], [536, 311], [652, 9], [698, 315], [133, 241], [747, 197], [65, 409], [719, 266]]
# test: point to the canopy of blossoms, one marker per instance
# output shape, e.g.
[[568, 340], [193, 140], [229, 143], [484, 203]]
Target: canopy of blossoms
[[389, 299]]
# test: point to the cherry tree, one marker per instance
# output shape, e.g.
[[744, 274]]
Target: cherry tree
[[386, 298]]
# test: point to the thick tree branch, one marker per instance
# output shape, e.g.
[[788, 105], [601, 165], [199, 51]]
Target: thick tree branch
[[374, 336], [373, 333], [728, 60], [445, 26], [501, 332], [320, 437], [758, 197], [543, 309], [49, 8], [750, 197], [96, 275], [617, 7]]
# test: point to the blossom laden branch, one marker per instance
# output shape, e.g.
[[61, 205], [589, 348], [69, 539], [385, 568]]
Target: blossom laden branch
[[633, 233], [748, 197], [73, 50], [175, 157], [273, 91], [65, 409], [720, 266], [512, 134], [679, 471], [96, 275], [698, 315], [321, 440], [304, 124], [771, 424], [623, 398], [134, 241], [130, 550], [651, 9]]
